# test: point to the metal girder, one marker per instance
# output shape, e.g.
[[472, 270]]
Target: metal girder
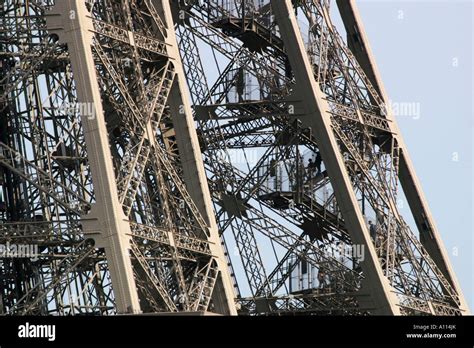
[[429, 235], [231, 118], [98, 170], [298, 151]]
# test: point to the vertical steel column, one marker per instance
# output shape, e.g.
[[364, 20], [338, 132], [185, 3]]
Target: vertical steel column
[[106, 223]]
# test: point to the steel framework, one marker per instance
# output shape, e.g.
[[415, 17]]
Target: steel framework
[[221, 156]]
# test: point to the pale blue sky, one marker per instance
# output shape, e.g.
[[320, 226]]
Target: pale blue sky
[[424, 50]]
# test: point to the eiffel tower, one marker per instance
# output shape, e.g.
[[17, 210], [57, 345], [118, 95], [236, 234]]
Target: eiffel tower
[[222, 156]]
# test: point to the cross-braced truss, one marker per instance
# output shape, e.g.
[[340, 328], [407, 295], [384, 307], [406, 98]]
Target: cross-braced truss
[[46, 166], [102, 171]]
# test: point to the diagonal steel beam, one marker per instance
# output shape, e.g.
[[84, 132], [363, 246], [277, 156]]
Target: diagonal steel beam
[[429, 234], [317, 117]]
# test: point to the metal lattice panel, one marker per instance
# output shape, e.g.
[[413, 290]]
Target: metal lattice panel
[[194, 156]]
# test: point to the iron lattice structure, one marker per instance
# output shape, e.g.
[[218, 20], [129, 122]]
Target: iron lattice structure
[[206, 156]]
